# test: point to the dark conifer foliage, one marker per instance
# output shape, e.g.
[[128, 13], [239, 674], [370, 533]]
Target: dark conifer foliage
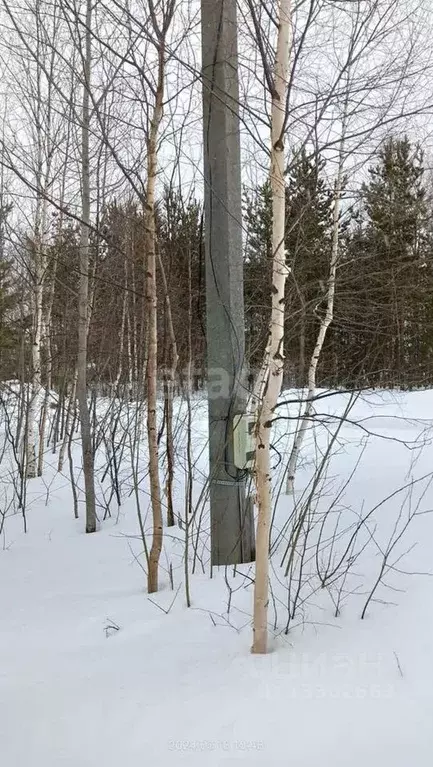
[[382, 331]]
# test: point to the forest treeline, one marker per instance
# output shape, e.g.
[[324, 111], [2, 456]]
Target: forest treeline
[[382, 329]]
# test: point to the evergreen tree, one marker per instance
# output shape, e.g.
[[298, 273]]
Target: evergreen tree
[[180, 243], [391, 261], [8, 300], [257, 270], [308, 241], [64, 245]]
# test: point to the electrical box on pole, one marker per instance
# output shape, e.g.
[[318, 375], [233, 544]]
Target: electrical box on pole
[[243, 441]]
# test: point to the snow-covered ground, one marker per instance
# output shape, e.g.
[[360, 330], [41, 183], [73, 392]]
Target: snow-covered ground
[[94, 672]]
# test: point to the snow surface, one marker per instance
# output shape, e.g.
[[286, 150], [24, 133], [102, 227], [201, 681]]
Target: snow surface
[[94, 672]]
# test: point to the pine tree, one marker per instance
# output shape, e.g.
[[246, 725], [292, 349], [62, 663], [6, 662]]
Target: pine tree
[[391, 247], [308, 225], [8, 300], [180, 243], [257, 269], [308, 242]]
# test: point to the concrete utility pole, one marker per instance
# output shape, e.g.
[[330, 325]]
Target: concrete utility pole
[[232, 535]]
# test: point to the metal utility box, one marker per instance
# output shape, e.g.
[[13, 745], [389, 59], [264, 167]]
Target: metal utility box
[[243, 441]]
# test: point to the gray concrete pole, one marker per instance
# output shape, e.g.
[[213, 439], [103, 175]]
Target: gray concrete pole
[[232, 537]]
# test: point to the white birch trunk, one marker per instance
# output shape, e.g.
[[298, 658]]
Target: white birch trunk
[[43, 128], [152, 346], [306, 420], [133, 348], [48, 371], [38, 271], [275, 349], [52, 286]]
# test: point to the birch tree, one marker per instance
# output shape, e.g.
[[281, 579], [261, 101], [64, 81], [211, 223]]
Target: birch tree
[[160, 28], [271, 376], [328, 315], [40, 104]]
